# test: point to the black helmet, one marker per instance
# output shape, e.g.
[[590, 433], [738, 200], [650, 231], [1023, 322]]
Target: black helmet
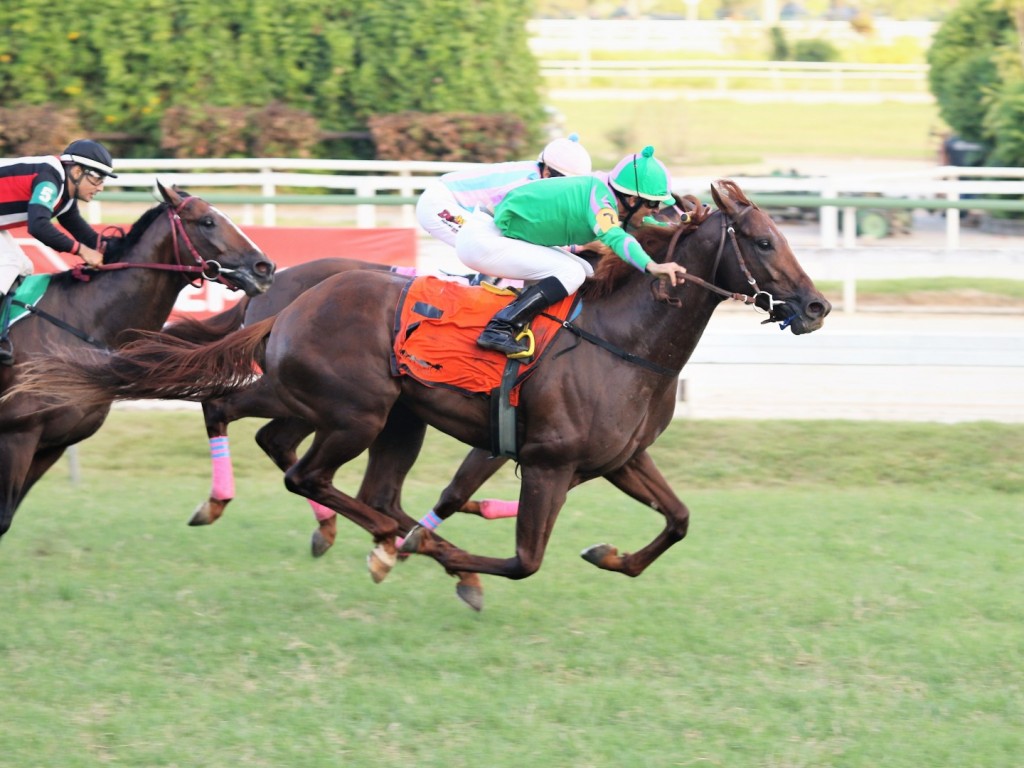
[[91, 154]]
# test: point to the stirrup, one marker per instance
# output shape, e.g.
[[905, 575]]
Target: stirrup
[[531, 344]]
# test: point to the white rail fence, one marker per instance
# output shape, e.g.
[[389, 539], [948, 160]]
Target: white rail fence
[[369, 185]]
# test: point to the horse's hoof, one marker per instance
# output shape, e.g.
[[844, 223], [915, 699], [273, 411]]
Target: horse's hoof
[[208, 512], [597, 553], [320, 544], [470, 591], [411, 544], [380, 562]]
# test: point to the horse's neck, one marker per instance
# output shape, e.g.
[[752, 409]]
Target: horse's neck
[[659, 331], [128, 298]]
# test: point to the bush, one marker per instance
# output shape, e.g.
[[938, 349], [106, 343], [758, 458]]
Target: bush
[[38, 130], [814, 50], [453, 137]]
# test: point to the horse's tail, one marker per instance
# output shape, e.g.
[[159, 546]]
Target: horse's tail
[[205, 331], [155, 366]]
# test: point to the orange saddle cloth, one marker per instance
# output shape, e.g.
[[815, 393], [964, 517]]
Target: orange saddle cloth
[[437, 323]]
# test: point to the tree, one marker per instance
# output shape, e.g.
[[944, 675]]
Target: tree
[[977, 78], [123, 64]]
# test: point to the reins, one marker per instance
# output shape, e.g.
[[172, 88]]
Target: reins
[[204, 269]]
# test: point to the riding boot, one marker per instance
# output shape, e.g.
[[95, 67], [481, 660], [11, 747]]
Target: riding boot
[[500, 333], [6, 347]]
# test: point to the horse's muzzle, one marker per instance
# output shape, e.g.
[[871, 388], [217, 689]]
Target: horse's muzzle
[[803, 315], [254, 277]]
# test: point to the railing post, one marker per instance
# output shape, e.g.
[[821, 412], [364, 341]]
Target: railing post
[[849, 227], [268, 190], [829, 219], [952, 218], [366, 215]]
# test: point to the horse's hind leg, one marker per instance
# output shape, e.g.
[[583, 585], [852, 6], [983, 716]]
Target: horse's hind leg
[[312, 475], [20, 468], [641, 479]]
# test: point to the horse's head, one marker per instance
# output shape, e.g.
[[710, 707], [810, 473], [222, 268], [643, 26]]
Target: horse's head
[[207, 236], [754, 258]]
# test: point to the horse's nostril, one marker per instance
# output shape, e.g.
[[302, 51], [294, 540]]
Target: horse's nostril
[[818, 308]]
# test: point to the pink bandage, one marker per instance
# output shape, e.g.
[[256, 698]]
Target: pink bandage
[[406, 271], [320, 512], [492, 509], [223, 486]]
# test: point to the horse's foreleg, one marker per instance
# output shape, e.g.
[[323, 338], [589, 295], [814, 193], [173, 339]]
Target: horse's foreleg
[[541, 498], [20, 468], [280, 440], [476, 469], [258, 400], [641, 479]]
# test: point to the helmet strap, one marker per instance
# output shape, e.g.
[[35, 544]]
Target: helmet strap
[[630, 209]]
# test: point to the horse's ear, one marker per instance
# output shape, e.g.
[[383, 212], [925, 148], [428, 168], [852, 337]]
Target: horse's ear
[[169, 195], [720, 191]]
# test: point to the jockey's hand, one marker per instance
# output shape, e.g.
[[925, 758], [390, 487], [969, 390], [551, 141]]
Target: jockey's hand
[[91, 257], [670, 271]]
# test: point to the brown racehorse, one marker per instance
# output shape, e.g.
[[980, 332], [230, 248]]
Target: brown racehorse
[[591, 409], [172, 244], [256, 401]]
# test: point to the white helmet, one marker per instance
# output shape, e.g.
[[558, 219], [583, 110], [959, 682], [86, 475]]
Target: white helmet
[[567, 156]]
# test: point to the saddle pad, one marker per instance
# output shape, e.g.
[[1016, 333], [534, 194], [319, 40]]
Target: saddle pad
[[437, 323], [30, 291]]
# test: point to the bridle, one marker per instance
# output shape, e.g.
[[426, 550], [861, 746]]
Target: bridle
[[728, 229], [203, 269]]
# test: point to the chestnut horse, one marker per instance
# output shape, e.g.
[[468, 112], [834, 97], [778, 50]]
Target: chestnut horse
[[218, 413], [181, 240], [591, 409]]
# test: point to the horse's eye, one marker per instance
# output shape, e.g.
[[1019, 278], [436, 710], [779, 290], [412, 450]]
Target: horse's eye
[[763, 243], [207, 221]]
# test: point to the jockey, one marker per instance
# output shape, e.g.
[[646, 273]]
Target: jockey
[[34, 190], [447, 201], [520, 238]]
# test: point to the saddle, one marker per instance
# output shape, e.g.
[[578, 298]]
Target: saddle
[[437, 323]]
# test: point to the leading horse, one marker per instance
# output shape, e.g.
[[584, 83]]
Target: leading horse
[[179, 241], [592, 408]]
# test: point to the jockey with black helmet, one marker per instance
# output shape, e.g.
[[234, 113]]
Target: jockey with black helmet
[[34, 190]]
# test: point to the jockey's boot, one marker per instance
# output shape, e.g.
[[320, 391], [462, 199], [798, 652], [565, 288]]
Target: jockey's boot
[[500, 333], [6, 347]]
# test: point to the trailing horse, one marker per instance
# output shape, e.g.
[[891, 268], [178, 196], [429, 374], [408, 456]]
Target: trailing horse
[[591, 409], [184, 239], [257, 401]]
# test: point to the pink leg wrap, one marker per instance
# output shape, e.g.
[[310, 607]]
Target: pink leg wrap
[[320, 512], [406, 271], [492, 509], [223, 485]]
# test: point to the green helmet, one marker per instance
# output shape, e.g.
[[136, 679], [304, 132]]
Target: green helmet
[[644, 175]]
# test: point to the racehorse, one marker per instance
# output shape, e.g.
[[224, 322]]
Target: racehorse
[[218, 413], [592, 408], [181, 240]]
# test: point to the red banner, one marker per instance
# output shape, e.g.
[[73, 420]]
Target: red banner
[[285, 246]]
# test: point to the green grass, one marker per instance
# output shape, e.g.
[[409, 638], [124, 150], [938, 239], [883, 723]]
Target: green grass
[[849, 595], [937, 288], [702, 133]]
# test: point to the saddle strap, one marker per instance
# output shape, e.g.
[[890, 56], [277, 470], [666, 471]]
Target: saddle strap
[[503, 414], [61, 324]]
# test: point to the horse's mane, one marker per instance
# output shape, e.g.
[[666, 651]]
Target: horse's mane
[[611, 271], [119, 243]]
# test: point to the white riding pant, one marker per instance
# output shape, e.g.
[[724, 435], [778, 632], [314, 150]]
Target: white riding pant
[[13, 261], [439, 213], [481, 246]]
